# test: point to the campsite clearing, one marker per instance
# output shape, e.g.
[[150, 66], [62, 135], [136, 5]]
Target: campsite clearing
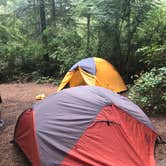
[[18, 97]]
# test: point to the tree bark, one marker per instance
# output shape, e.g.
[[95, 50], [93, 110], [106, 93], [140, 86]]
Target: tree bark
[[35, 10], [127, 62], [53, 14], [42, 15], [88, 34], [44, 38], [128, 30], [99, 45]]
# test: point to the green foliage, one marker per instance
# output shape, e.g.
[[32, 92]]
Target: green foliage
[[130, 34], [149, 90], [64, 47], [18, 53], [152, 56], [45, 80]]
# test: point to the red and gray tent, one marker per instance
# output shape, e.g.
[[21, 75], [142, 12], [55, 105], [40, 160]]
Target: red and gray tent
[[86, 126]]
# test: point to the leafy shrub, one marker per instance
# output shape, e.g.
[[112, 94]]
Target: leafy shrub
[[45, 80], [149, 90], [64, 47], [48, 80], [20, 56], [152, 56]]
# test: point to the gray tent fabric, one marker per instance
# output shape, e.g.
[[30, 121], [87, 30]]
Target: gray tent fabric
[[62, 118], [87, 64]]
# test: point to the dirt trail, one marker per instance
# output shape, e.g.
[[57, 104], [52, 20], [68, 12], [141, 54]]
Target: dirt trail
[[18, 97]]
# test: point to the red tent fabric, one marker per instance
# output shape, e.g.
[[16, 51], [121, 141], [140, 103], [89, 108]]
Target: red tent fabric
[[114, 138], [26, 137], [86, 126]]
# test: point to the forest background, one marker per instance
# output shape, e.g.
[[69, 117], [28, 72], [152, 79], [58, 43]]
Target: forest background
[[41, 39]]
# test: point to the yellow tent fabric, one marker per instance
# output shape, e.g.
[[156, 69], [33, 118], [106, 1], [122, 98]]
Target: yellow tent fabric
[[65, 80], [88, 78], [106, 76]]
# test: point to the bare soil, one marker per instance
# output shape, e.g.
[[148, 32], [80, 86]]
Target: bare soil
[[18, 97]]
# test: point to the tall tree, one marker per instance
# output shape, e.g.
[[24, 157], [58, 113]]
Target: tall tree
[[35, 15], [121, 19], [85, 11], [53, 13], [88, 34], [42, 15], [43, 27]]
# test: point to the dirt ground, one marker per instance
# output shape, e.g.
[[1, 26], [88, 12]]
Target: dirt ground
[[18, 97]]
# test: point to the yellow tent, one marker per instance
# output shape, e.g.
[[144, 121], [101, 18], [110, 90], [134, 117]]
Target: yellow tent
[[93, 71]]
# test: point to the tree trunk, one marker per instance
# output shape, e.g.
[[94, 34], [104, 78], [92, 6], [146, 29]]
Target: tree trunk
[[129, 37], [44, 38], [53, 14], [88, 34], [35, 11], [128, 29], [42, 15], [99, 45], [117, 41]]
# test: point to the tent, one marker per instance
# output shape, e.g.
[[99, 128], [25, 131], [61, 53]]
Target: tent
[[93, 71], [86, 126]]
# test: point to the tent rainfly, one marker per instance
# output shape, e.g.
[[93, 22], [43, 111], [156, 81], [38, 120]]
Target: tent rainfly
[[93, 71], [86, 126]]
